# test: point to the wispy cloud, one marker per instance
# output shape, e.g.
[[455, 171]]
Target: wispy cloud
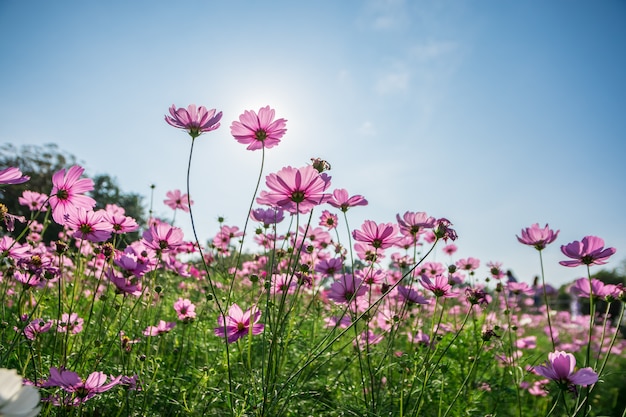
[[433, 50], [396, 80]]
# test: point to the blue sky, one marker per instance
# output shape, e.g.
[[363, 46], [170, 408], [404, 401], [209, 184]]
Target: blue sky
[[494, 114]]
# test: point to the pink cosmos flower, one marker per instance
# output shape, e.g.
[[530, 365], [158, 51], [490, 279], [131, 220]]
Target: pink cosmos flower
[[88, 225], [70, 382], [412, 224], [12, 175], [267, 216], [162, 237], [450, 249], [296, 190], [67, 193], [194, 121], [439, 286], [590, 251], [379, 236], [346, 289], [33, 200], [239, 324], [283, 283], [495, 269], [176, 200], [70, 323], [161, 328], [36, 327], [411, 296], [329, 267], [328, 220], [582, 288], [258, 131], [119, 222], [538, 237], [342, 200], [185, 310], [469, 264], [560, 368]]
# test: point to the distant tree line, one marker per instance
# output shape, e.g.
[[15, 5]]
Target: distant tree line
[[40, 163]]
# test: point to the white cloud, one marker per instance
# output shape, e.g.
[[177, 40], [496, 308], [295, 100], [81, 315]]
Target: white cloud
[[433, 50], [367, 129], [393, 82]]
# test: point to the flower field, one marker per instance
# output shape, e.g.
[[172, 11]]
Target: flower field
[[98, 324]]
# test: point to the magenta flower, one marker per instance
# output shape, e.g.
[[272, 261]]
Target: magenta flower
[[162, 237], [560, 368], [239, 324], [596, 288], [411, 296], [33, 200], [161, 328], [538, 237], [379, 236], [258, 131], [36, 327], [342, 200], [119, 222], [590, 251], [296, 190], [176, 200], [12, 175], [185, 310], [469, 264], [267, 216], [194, 121], [82, 391], [346, 289], [88, 225], [67, 192]]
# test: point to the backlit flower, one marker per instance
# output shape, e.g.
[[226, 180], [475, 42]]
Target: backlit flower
[[379, 236], [589, 251], [438, 285], [239, 324], [538, 237], [296, 190], [342, 200], [162, 237], [185, 309], [67, 193], [176, 200], [194, 121], [258, 130], [88, 225]]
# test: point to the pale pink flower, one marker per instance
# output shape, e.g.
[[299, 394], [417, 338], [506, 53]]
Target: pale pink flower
[[328, 220], [469, 264], [538, 237], [185, 309], [194, 121], [450, 249], [412, 224], [33, 200], [589, 251], [342, 200], [67, 192], [239, 324], [258, 130], [161, 328], [176, 200], [296, 190], [12, 175], [70, 323]]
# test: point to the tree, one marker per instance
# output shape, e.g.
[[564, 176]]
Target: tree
[[40, 163]]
